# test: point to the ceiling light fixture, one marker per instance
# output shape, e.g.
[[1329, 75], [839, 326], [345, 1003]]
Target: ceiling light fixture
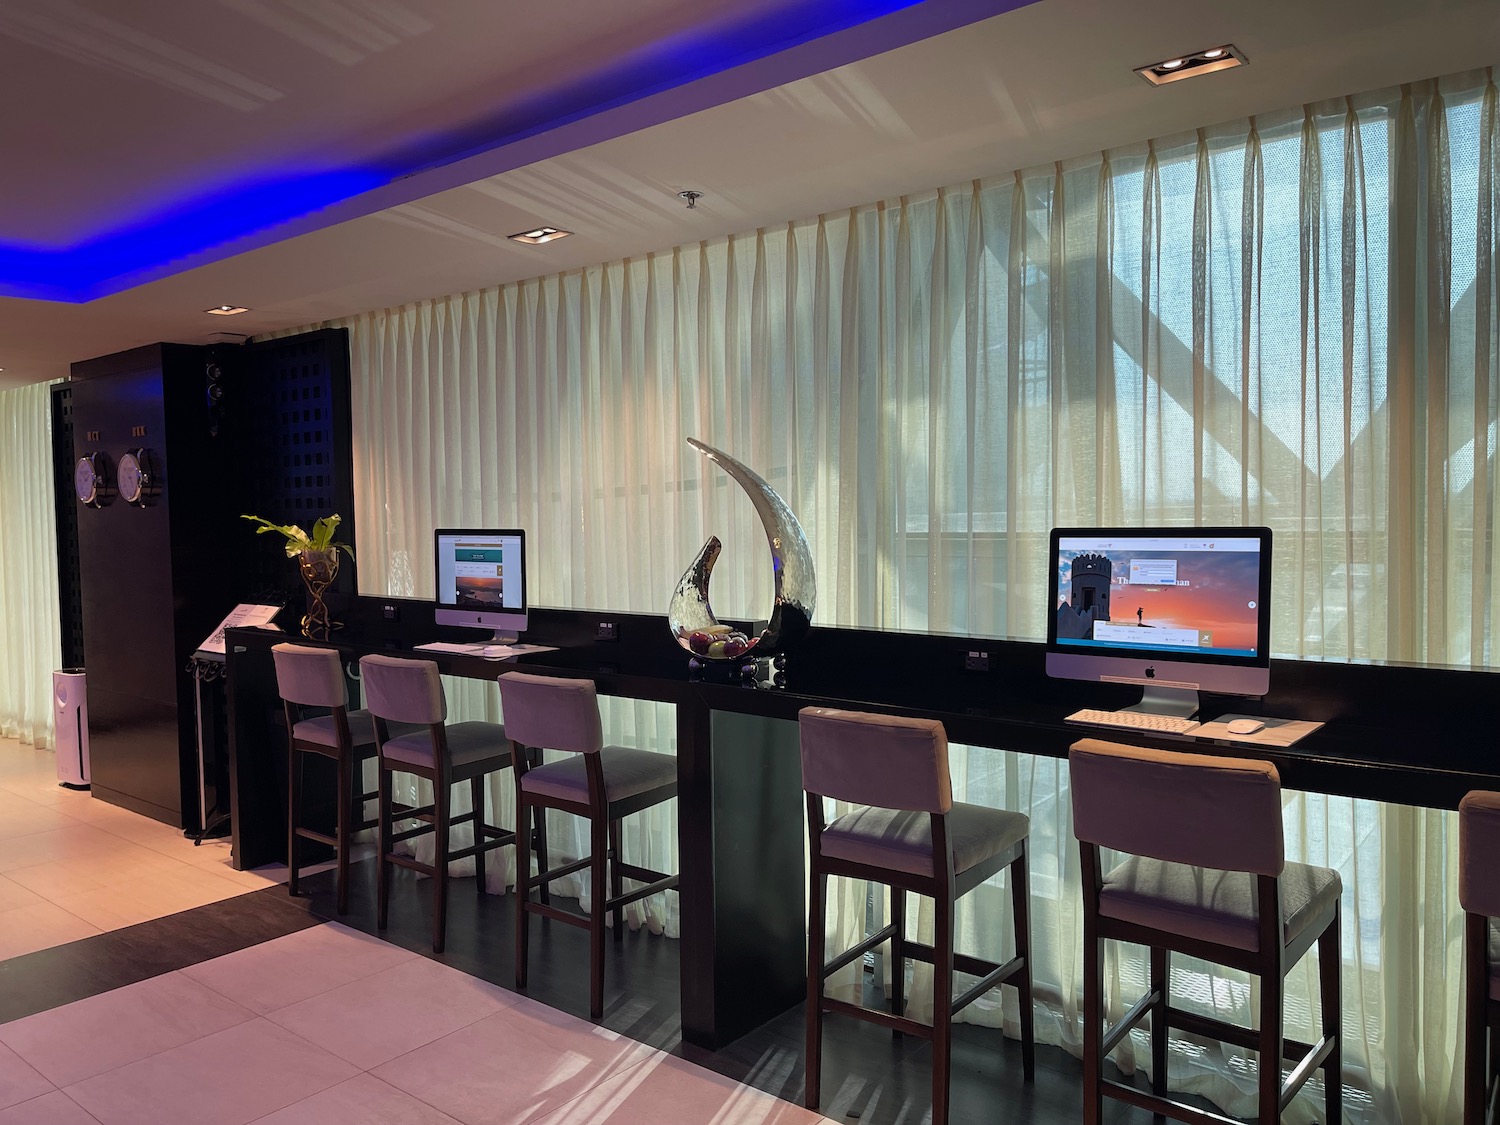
[[226, 310], [1189, 66], [537, 236]]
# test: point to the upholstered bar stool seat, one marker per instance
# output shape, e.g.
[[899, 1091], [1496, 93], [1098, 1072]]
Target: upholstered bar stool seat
[[599, 783], [905, 831], [1479, 895], [902, 841], [1206, 876], [313, 677], [627, 773], [1214, 906], [410, 715]]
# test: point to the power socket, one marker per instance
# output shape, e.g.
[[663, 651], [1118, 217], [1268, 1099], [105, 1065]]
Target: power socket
[[390, 612], [607, 631], [976, 661]]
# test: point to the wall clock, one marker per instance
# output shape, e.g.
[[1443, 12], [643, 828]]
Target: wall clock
[[136, 477], [91, 480]]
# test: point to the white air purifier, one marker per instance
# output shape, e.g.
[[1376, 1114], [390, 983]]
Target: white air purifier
[[71, 700]]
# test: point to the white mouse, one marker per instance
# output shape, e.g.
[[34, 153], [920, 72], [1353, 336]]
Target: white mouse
[[1245, 726]]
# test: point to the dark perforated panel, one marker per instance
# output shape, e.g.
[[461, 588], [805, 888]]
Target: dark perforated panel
[[69, 594], [289, 411]]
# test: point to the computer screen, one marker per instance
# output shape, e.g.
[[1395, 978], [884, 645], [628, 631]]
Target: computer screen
[[1175, 610], [481, 580]]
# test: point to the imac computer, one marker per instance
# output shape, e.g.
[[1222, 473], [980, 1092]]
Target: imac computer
[[1175, 610], [481, 580]]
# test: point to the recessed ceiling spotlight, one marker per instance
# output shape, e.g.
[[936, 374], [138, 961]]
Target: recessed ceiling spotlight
[[1188, 66], [226, 310], [539, 235]]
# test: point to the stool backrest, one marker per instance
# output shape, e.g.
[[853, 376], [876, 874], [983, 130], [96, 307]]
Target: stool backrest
[[1207, 811], [308, 676], [403, 691], [551, 713], [887, 761], [1479, 853]]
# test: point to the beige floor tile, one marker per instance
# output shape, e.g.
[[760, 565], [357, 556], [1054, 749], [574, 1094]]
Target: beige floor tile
[[280, 973], [545, 1067], [13, 894], [378, 1017], [40, 926], [360, 1101], [229, 1078], [71, 841], [665, 1088], [55, 1108], [26, 818], [88, 1037], [19, 1080]]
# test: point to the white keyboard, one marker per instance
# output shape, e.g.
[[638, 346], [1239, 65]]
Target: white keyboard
[[1134, 720]]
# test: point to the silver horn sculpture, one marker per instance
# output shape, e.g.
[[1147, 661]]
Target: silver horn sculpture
[[692, 619]]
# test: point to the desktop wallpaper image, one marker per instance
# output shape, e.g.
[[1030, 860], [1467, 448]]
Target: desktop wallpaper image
[[1218, 595]]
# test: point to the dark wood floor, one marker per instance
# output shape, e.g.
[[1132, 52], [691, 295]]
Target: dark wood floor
[[868, 1076]]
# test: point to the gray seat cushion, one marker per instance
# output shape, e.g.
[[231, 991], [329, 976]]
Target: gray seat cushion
[[468, 743], [321, 729], [626, 773], [1217, 906], [902, 841]]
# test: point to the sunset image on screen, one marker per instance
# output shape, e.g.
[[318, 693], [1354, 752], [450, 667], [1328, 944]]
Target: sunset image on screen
[[1216, 592]]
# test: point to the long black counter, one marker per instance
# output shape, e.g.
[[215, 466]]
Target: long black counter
[[1400, 734]]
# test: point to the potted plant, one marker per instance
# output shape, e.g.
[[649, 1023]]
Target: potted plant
[[317, 557]]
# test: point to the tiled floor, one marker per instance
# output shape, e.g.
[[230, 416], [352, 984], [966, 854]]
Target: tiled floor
[[72, 866], [326, 1025], [331, 1026]]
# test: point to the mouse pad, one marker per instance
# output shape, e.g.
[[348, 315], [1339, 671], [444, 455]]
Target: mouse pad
[[1276, 732]]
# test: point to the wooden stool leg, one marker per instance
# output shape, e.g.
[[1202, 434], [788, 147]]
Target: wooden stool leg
[[898, 956], [442, 801], [342, 832], [476, 797], [942, 1007], [1093, 1024], [523, 885], [293, 814], [540, 814], [1269, 1111], [1161, 968], [598, 863], [1020, 890], [1330, 971], [383, 847], [616, 880], [817, 906]]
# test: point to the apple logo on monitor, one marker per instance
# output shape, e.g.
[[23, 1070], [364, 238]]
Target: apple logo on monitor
[[1150, 673]]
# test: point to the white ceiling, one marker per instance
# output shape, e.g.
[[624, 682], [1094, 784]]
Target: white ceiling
[[131, 120]]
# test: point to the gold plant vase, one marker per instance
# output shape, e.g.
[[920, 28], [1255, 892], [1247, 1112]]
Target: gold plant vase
[[319, 569]]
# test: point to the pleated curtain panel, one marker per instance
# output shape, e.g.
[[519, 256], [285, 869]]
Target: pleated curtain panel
[[1288, 321]]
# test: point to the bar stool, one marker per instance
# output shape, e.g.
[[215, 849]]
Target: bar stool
[[1479, 894], [908, 833], [314, 677], [1207, 877], [409, 691], [600, 783]]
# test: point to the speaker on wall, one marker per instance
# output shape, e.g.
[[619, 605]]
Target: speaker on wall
[[213, 392]]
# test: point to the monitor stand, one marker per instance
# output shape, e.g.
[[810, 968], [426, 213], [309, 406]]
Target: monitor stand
[[502, 637], [1180, 703]]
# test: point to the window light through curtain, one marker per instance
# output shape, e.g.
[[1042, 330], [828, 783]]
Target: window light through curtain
[[1288, 321]]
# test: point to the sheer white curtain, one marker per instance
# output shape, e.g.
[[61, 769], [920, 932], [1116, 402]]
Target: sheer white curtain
[[30, 635], [1288, 321]]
